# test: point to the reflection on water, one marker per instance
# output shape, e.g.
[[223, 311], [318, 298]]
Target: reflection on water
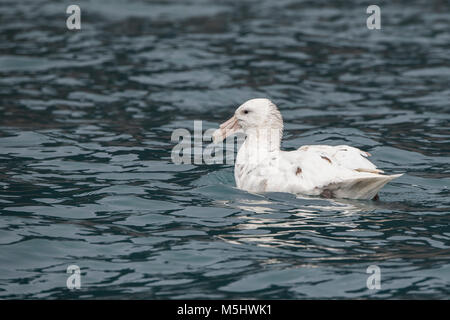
[[267, 227], [86, 176]]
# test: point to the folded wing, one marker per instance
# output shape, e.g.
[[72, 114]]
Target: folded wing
[[332, 171]]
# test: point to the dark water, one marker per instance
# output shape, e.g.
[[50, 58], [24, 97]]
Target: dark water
[[86, 176]]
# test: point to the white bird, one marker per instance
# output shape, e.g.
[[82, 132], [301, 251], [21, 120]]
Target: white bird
[[318, 170]]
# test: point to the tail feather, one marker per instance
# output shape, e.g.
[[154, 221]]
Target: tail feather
[[361, 187]]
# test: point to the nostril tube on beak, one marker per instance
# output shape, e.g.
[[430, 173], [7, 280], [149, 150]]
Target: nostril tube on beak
[[226, 129]]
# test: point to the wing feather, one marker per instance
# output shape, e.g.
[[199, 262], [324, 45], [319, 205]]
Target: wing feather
[[345, 156]]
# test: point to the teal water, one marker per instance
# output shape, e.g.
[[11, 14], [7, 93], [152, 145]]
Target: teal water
[[86, 176]]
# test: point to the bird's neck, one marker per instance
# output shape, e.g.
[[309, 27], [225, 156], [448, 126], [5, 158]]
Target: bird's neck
[[260, 146], [264, 139]]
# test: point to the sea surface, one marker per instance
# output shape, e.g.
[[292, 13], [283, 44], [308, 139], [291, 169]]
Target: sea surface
[[87, 178]]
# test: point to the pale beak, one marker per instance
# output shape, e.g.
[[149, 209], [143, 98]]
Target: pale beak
[[225, 129]]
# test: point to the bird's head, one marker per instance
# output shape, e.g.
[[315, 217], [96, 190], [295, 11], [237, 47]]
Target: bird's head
[[251, 116]]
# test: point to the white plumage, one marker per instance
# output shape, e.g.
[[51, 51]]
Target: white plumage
[[330, 171]]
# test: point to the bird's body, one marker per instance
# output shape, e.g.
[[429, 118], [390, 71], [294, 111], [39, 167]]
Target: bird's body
[[329, 171]]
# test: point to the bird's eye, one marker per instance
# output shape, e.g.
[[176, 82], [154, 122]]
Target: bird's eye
[[245, 111]]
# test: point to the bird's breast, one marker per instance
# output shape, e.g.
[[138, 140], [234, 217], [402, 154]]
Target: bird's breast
[[253, 167]]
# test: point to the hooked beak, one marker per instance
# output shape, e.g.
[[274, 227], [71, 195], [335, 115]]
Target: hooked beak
[[226, 129]]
